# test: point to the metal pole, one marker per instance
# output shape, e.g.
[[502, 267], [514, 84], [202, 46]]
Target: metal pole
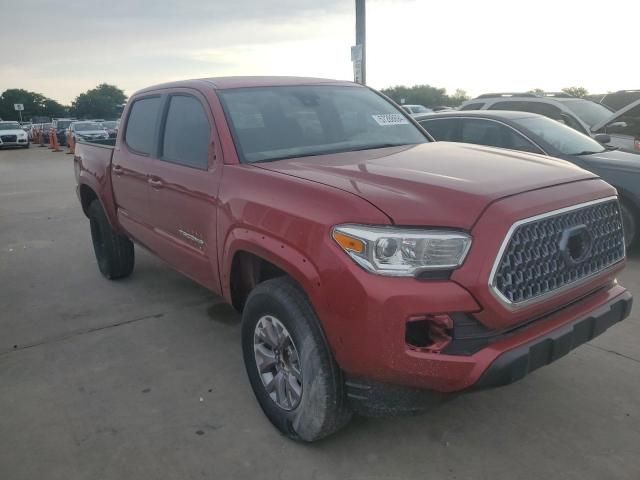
[[361, 35]]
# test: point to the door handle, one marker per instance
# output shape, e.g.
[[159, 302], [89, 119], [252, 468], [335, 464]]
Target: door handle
[[155, 183], [118, 170]]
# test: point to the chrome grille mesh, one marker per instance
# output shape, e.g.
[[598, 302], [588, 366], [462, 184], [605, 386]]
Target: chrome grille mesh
[[532, 264]]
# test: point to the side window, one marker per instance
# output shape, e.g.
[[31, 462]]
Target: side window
[[442, 130], [545, 109], [141, 124], [186, 133], [494, 134], [509, 105], [472, 106]]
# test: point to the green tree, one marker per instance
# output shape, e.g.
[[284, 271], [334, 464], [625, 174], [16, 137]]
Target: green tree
[[104, 101], [35, 104], [579, 92], [425, 95], [537, 91]]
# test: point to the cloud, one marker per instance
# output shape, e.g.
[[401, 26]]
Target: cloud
[[137, 43]]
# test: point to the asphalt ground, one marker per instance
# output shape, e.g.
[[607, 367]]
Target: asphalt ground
[[143, 378]]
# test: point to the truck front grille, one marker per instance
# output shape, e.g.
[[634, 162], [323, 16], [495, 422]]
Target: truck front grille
[[552, 251]]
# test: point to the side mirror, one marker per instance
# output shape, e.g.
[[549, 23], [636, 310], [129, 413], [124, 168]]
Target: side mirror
[[616, 127], [602, 138]]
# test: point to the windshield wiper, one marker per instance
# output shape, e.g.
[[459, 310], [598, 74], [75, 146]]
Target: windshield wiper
[[373, 147], [587, 152], [331, 152]]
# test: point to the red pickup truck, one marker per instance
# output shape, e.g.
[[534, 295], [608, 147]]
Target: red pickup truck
[[370, 263]]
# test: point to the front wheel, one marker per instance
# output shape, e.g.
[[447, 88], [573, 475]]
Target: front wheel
[[628, 224], [290, 367], [114, 252]]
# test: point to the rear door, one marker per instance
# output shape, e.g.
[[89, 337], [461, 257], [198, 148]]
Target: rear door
[[183, 187], [131, 163]]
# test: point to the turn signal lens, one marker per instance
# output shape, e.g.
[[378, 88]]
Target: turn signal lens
[[348, 243]]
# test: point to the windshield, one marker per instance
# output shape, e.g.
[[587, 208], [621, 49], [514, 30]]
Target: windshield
[[86, 126], [565, 139], [63, 123], [589, 112], [421, 109], [9, 126], [271, 123]]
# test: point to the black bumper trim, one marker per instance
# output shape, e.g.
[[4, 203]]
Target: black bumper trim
[[519, 362]]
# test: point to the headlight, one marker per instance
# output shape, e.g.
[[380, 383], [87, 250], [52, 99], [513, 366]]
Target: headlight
[[402, 252]]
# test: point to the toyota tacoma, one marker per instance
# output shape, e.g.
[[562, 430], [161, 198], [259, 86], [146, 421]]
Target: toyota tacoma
[[373, 267]]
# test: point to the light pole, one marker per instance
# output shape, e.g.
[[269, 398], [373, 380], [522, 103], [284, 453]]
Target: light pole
[[359, 52]]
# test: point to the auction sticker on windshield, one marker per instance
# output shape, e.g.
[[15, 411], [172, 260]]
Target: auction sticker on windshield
[[390, 119]]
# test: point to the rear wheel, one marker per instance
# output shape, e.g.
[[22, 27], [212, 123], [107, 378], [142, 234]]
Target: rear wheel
[[114, 252], [628, 224], [290, 367]]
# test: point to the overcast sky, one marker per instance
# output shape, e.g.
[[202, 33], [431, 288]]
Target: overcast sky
[[62, 49]]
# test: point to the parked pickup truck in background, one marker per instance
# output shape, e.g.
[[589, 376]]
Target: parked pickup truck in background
[[370, 263]]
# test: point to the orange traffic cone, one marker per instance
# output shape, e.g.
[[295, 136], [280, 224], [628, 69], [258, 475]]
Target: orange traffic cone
[[50, 147], [56, 145]]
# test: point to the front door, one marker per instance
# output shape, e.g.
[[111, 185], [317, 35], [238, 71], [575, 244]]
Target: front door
[[183, 185]]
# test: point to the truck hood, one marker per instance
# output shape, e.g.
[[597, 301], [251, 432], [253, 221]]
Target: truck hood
[[434, 184]]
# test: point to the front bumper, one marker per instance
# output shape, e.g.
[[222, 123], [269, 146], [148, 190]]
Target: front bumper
[[495, 366], [518, 362], [20, 142]]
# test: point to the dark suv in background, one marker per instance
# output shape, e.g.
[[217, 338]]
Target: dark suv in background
[[577, 113]]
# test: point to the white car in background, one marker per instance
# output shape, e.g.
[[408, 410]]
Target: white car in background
[[13, 135]]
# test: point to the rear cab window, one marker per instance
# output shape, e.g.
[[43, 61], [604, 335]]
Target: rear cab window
[[141, 125]]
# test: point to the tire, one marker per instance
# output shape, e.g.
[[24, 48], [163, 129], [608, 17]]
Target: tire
[[114, 252], [322, 405], [27, 145], [629, 224]]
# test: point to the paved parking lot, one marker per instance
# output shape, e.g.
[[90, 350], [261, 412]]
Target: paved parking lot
[[143, 378]]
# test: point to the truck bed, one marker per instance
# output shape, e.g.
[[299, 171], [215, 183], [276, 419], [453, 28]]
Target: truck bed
[[92, 166]]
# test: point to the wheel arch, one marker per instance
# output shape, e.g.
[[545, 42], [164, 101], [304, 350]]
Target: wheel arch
[[88, 192], [251, 257]]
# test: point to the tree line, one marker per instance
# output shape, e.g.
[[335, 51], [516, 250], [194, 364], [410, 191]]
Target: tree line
[[434, 97], [104, 101]]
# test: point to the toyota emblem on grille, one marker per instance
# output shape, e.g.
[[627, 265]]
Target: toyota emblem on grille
[[575, 244]]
